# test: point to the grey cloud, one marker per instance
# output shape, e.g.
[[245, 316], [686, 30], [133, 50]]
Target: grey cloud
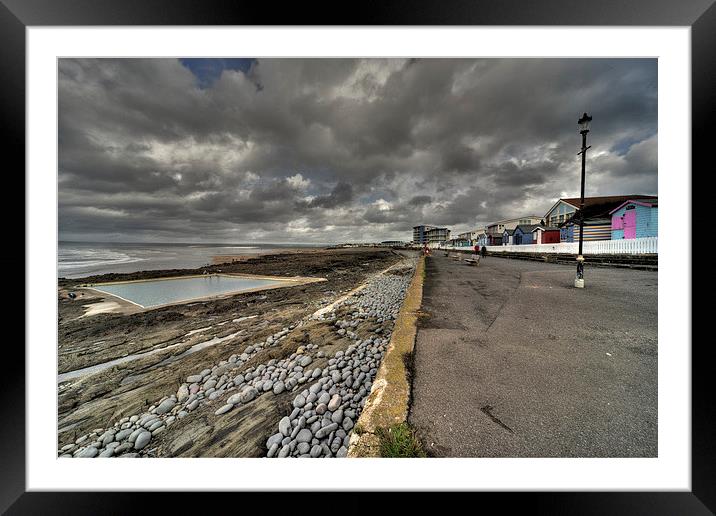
[[277, 190], [420, 200], [459, 158], [339, 149], [341, 194]]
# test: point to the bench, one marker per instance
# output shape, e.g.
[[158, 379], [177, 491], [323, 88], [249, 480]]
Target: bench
[[473, 261]]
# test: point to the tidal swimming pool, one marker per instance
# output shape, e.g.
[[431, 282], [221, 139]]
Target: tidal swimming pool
[[153, 293]]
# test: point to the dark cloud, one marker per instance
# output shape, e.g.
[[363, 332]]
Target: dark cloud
[[277, 190], [459, 158], [420, 200], [340, 149], [341, 195]]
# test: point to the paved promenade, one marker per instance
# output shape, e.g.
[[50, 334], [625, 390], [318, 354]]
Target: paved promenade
[[512, 361]]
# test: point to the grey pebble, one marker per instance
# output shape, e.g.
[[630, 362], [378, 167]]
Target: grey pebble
[[272, 450], [108, 452], [249, 394], [88, 453], [315, 388], [274, 439], [165, 406], [315, 426], [334, 403], [123, 434], [284, 426], [122, 448], [326, 430], [142, 440], [133, 436], [304, 436], [223, 409]]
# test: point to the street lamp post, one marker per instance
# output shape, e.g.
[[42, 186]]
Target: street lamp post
[[584, 129]]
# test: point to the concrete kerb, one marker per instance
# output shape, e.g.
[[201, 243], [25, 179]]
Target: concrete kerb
[[389, 398]]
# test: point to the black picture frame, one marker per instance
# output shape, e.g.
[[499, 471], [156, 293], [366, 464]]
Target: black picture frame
[[17, 15]]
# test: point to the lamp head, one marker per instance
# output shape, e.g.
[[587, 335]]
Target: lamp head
[[584, 123]]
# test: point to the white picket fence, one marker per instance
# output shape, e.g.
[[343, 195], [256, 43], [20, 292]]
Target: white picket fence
[[647, 245]]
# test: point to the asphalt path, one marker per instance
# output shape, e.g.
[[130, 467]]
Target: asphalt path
[[512, 361]]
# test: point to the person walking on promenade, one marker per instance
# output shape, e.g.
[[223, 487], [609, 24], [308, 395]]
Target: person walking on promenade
[[477, 249], [482, 251]]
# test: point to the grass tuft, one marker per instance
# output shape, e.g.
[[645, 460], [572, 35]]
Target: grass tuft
[[399, 441]]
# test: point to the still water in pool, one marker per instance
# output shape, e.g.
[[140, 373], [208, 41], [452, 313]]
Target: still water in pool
[[160, 292]]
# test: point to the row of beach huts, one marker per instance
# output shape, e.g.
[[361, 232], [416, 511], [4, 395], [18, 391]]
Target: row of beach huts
[[617, 217]]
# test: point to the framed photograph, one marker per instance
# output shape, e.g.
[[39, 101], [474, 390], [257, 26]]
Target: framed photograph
[[427, 232]]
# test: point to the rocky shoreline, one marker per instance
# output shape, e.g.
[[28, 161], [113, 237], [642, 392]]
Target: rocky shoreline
[[327, 394]]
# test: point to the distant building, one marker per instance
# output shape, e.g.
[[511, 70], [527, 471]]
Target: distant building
[[635, 219], [430, 235], [501, 225], [469, 236], [474, 236], [494, 233], [420, 234], [437, 235], [393, 243]]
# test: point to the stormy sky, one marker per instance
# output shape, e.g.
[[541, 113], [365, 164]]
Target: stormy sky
[[340, 150]]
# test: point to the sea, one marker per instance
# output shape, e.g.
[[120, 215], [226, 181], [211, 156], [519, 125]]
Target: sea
[[79, 259]]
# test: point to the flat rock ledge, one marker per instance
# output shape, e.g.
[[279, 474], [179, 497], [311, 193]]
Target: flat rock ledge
[[389, 398]]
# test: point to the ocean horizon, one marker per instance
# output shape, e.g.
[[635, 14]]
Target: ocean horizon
[[78, 259]]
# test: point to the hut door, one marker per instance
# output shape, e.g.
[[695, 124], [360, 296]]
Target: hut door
[[630, 224]]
